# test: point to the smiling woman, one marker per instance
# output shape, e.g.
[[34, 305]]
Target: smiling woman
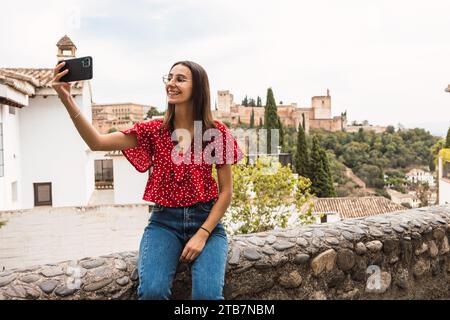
[[185, 225]]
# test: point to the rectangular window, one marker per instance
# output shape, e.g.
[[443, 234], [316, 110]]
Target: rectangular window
[[42, 194], [14, 191], [12, 110], [104, 173], [2, 165]]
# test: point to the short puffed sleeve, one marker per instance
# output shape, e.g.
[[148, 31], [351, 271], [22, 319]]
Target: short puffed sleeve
[[141, 155]]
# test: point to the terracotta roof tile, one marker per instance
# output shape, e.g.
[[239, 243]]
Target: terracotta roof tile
[[42, 76], [355, 207]]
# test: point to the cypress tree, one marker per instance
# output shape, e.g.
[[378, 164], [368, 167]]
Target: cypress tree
[[245, 101], [301, 155], [318, 175], [321, 178], [270, 118], [258, 102], [329, 188], [280, 127], [252, 119]]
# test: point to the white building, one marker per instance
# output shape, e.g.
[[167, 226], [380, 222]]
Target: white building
[[43, 159], [419, 175], [129, 184], [444, 177], [399, 198]]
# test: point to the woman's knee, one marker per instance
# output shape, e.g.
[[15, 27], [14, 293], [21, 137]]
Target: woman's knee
[[152, 291], [207, 291]]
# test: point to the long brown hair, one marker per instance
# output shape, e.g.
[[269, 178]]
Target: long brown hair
[[200, 97]]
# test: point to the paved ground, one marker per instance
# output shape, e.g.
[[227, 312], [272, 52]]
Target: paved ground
[[49, 235]]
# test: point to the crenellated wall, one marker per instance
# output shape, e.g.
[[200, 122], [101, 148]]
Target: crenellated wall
[[396, 256]]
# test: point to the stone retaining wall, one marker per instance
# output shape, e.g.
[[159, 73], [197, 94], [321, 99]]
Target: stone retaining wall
[[395, 256]]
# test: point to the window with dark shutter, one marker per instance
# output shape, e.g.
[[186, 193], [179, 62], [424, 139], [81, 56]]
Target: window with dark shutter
[[42, 194]]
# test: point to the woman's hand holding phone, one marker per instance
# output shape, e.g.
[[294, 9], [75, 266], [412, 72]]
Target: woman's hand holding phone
[[61, 88]]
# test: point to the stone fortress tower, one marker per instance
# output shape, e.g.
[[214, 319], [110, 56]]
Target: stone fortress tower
[[321, 106]]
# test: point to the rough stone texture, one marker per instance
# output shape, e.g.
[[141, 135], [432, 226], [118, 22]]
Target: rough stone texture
[[374, 246], [360, 248], [378, 282], [345, 259], [52, 272], [291, 280], [394, 256], [323, 262]]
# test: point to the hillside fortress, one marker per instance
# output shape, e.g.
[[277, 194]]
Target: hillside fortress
[[317, 116]]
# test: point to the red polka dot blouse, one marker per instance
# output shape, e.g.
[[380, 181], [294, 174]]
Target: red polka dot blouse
[[176, 181]]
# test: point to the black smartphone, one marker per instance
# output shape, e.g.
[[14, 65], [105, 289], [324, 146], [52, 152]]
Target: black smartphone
[[79, 69]]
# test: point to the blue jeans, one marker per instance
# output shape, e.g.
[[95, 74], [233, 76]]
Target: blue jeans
[[161, 246]]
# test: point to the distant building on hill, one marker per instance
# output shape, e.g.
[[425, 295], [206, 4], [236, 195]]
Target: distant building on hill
[[317, 116]]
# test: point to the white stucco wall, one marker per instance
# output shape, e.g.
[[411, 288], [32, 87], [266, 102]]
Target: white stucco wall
[[53, 151], [444, 192], [11, 158], [129, 184]]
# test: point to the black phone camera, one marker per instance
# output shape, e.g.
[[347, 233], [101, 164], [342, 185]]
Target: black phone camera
[[86, 63]]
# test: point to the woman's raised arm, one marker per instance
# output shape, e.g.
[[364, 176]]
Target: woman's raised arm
[[95, 141]]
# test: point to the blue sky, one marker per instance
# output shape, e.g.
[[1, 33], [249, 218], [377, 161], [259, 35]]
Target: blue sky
[[384, 61]]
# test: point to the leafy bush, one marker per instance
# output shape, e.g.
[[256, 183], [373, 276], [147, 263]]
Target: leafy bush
[[262, 194]]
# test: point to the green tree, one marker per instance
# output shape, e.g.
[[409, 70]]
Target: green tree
[[270, 118], [320, 174], [434, 152], [372, 175], [390, 129], [252, 103], [329, 192], [282, 138], [261, 201], [245, 101], [258, 102], [355, 154], [252, 119], [301, 155], [153, 111]]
